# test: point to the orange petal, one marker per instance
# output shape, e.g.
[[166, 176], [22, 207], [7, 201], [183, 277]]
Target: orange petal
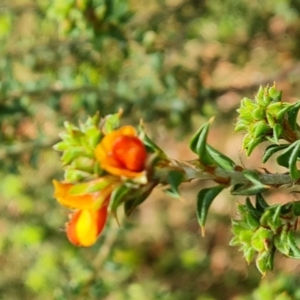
[[71, 229], [123, 172], [108, 141], [130, 152], [86, 225], [131, 163], [82, 201]]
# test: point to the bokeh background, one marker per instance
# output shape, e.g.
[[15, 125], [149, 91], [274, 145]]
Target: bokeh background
[[174, 63]]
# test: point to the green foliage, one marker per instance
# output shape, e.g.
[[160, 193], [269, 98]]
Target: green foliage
[[262, 230], [208, 156], [172, 63], [77, 145], [266, 118], [204, 199]]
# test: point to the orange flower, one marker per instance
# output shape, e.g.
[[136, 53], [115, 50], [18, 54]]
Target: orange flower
[[86, 225], [63, 193], [122, 153]]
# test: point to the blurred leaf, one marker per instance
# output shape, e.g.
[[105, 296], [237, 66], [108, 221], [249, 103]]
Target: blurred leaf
[[289, 159], [221, 160], [175, 178], [198, 144], [204, 199], [271, 150], [117, 197]]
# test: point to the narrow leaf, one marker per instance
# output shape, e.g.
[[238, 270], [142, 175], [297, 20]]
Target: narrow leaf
[[175, 178], [222, 160], [204, 199], [198, 145], [289, 157], [260, 203], [89, 187], [294, 172], [271, 150], [295, 251], [117, 197], [292, 115]]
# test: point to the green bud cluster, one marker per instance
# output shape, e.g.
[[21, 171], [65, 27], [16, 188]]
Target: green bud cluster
[[78, 146], [263, 229], [262, 118]]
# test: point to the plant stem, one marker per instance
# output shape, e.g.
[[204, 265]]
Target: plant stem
[[193, 170]]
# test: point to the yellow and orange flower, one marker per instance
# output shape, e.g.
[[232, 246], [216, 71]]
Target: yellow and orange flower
[[122, 153], [89, 219], [86, 225]]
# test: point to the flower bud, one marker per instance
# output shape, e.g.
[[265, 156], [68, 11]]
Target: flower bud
[[122, 153]]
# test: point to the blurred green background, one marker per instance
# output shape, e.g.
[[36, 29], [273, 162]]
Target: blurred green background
[[174, 63]]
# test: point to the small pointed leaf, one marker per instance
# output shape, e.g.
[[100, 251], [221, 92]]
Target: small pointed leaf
[[175, 178], [289, 159], [117, 197], [204, 199], [292, 115], [271, 150], [260, 203], [198, 145], [222, 160]]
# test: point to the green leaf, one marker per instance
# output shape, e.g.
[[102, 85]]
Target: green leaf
[[292, 115], [131, 204], [250, 146], [270, 119], [274, 94], [253, 176], [251, 209], [260, 239], [111, 123], [204, 199], [246, 189], [175, 178], [93, 136], [222, 160], [61, 146], [117, 197], [71, 153], [271, 150], [276, 220], [296, 208], [198, 145], [251, 188], [151, 146], [283, 159], [264, 261], [252, 220], [289, 159], [281, 242], [295, 251], [260, 203], [249, 205], [277, 132], [260, 128], [89, 187], [249, 254], [271, 218], [74, 176]]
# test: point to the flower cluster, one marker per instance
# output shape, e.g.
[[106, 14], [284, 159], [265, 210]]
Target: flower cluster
[[105, 165], [262, 230], [266, 117]]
